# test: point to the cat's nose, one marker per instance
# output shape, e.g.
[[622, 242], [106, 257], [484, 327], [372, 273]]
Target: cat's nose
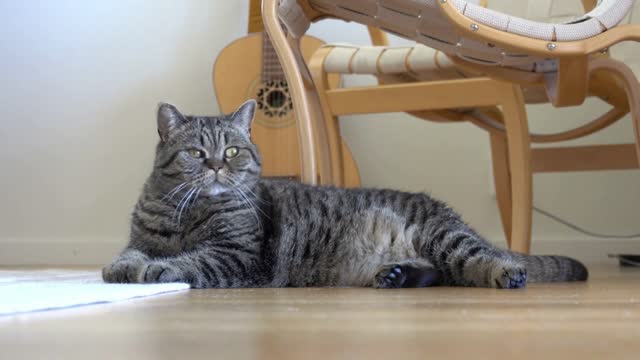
[[214, 165]]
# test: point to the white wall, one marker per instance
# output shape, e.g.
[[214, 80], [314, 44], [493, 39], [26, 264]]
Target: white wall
[[80, 81]]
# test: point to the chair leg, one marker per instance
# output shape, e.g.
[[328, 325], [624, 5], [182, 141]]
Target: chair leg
[[502, 181], [636, 125], [331, 125], [519, 159], [631, 87], [305, 99]]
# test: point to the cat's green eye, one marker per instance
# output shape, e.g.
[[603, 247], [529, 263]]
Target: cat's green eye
[[196, 153], [230, 152]]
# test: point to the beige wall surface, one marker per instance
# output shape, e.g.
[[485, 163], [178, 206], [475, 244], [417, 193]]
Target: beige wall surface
[[80, 82]]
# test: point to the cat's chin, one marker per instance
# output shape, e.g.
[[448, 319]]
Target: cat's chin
[[216, 190]]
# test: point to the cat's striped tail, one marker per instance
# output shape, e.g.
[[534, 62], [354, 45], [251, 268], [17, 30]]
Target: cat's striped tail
[[549, 268]]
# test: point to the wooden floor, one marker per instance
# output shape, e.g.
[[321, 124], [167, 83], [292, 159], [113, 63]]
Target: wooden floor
[[598, 319]]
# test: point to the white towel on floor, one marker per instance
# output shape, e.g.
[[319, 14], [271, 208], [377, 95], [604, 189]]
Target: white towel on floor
[[33, 290]]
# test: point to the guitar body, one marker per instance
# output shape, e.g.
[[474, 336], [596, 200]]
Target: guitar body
[[238, 76]]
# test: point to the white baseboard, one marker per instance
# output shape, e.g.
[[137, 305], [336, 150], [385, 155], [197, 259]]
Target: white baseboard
[[101, 251]]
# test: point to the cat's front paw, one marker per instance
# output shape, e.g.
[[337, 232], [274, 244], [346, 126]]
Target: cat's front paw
[[124, 271], [159, 272], [510, 277]]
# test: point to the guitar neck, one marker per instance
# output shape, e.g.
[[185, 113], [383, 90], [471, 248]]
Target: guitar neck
[[271, 69], [255, 16]]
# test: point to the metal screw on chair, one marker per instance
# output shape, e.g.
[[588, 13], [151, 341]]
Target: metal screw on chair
[[474, 27], [551, 46]]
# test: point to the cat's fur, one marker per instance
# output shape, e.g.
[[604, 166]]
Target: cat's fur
[[212, 221]]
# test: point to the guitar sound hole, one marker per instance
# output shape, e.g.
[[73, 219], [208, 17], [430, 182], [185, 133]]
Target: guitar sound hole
[[276, 99]]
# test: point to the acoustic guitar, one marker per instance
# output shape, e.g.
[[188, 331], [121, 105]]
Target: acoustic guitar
[[248, 68]]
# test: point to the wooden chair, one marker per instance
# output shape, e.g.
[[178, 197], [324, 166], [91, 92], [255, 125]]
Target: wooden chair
[[487, 67]]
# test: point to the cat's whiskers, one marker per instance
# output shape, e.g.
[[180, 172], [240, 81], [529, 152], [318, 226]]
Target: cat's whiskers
[[248, 189], [175, 190], [190, 201], [194, 198], [245, 199], [237, 182], [252, 207], [175, 211], [184, 202], [182, 185]]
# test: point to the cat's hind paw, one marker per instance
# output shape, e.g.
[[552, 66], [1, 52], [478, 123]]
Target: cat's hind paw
[[390, 277], [510, 278]]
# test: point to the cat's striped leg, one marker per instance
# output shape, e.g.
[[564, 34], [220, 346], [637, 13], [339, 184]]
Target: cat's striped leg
[[207, 268], [125, 268], [465, 259]]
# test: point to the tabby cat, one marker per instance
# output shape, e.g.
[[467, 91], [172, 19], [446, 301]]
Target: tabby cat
[[205, 217]]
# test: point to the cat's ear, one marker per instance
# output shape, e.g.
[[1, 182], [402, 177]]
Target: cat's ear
[[243, 117], [169, 118]]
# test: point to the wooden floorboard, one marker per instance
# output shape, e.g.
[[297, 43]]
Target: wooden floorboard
[[597, 319]]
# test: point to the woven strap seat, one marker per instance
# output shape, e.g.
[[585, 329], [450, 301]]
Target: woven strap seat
[[398, 64], [418, 60]]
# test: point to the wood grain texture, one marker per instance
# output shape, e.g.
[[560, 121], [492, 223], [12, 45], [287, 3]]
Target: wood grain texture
[[502, 181], [594, 320], [570, 87], [255, 23], [433, 95], [331, 131], [585, 158], [519, 155]]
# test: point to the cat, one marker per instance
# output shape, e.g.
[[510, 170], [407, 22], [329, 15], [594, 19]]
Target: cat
[[207, 218]]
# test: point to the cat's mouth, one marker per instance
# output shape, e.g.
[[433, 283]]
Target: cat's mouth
[[219, 183], [217, 188], [216, 183]]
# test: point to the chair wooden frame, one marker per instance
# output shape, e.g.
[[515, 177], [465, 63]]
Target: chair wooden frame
[[496, 96]]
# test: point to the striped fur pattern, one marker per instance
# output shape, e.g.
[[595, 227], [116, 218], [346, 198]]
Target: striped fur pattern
[[207, 218]]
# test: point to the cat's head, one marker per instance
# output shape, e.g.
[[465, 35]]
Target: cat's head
[[213, 154]]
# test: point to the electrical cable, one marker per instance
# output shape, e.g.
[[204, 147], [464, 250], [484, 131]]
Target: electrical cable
[[582, 230]]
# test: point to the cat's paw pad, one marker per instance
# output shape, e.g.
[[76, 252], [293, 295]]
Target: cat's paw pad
[[511, 278], [121, 272], [391, 277], [158, 272]]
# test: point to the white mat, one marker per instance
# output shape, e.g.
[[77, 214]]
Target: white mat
[[34, 290]]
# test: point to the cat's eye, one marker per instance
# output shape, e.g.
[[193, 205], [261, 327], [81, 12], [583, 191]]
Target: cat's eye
[[196, 153], [230, 152]]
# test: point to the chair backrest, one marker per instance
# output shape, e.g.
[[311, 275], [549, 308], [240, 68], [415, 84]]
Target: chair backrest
[[423, 21]]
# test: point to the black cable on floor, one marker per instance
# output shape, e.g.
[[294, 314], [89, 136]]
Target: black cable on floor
[[582, 230]]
